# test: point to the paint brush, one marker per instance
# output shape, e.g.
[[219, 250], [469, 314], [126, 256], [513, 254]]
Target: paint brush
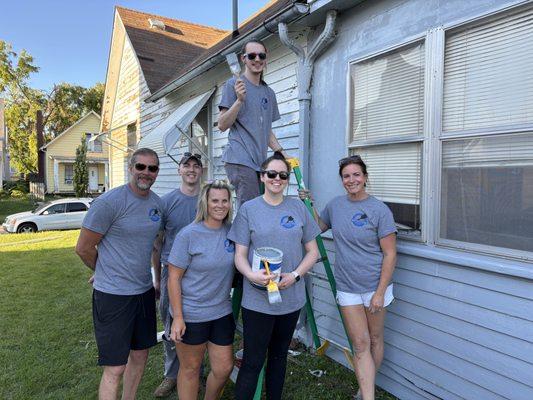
[[234, 65], [272, 288]]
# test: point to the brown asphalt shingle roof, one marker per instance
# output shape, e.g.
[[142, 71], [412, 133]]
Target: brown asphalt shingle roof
[[162, 53], [256, 20]]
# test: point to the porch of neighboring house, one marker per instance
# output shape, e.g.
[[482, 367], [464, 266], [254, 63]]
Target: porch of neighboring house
[[62, 181]]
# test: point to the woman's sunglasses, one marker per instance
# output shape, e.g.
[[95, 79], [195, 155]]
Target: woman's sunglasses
[[271, 174], [141, 167], [252, 56]]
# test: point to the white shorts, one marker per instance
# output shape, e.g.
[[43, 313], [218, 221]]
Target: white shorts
[[353, 299]]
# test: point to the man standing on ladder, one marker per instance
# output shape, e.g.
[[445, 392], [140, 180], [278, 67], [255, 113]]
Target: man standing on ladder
[[179, 210], [247, 108]]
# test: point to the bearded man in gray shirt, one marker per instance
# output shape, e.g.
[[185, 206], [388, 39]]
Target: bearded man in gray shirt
[[115, 242], [179, 211]]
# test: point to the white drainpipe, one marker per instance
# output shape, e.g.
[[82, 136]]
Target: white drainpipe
[[306, 62]]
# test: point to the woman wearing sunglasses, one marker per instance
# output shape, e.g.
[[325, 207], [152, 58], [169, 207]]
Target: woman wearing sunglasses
[[271, 220], [199, 283], [364, 234]]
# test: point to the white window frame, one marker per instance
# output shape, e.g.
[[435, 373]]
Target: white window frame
[[442, 136], [433, 138], [422, 237]]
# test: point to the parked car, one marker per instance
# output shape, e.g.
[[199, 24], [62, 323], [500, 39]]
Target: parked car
[[51, 215]]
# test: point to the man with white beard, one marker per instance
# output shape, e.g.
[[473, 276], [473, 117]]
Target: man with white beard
[[116, 242]]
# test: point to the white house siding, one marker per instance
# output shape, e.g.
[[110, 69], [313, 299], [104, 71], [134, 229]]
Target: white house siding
[[461, 326], [280, 75], [131, 87]]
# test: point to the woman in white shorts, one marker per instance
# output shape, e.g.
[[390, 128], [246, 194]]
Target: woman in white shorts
[[364, 234]]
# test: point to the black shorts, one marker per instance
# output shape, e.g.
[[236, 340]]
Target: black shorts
[[219, 331], [123, 323]]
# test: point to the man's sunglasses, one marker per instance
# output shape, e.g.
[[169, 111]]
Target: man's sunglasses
[[283, 175], [141, 167], [252, 56]]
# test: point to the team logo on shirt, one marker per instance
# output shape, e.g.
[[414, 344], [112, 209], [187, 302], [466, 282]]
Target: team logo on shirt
[[359, 219], [229, 246], [154, 214], [287, 222], [264, 103]]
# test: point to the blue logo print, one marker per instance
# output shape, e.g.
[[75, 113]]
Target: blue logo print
[[154, 214], [359, 219], [264, 103], [287, 222], [229, 246]]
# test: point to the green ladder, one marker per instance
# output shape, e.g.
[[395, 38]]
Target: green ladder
[[348, 353]]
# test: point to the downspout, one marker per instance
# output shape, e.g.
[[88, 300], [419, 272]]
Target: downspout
[[294, 12], [304, 73]]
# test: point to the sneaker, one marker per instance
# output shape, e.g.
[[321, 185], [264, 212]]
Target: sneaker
[[165, 388]]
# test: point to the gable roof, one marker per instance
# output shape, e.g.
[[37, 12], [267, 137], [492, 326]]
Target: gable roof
[[271, 9], [70, 127], [162, 52]]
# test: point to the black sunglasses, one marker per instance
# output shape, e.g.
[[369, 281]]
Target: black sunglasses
[[283, 175], [141, 167], [252, 56], [344, 160], [195, 155]]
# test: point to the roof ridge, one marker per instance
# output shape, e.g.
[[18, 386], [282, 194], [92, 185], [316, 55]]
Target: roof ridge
[[173, 19]]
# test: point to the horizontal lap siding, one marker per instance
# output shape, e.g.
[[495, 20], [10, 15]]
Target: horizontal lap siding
[[454, 332], [281, 77], [131, 85]]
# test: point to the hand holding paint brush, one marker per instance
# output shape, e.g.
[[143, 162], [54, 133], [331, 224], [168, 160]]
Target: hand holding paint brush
[[272, 287], [235, 68]]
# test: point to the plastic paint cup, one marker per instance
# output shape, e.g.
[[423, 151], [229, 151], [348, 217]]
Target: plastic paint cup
[[273, 256]]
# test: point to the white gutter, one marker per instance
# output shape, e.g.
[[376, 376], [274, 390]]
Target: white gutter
[[306, 60], [288, 15]]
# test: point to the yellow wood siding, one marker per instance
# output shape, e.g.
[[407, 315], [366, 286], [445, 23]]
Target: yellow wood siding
[[63, 148]]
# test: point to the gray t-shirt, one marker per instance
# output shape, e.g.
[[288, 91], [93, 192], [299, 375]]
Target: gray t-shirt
[[179, 210], [248, 136], [357, 227], [207, 256], [287, 227], [129, 224]]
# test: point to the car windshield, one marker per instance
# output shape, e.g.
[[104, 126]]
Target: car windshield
[[41, 206]]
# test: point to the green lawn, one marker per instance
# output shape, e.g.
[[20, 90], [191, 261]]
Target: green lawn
[[47, 348], [11, 206]]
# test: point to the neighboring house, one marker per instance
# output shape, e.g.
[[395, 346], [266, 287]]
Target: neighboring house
[[437, 98], [61, 155], [146, 50]]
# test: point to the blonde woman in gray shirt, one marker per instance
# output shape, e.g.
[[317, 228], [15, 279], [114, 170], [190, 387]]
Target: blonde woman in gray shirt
[[199, 283]]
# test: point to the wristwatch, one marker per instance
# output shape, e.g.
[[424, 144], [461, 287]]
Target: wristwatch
[[296, 275]]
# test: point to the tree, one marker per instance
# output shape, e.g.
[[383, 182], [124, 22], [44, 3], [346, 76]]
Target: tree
[[81, 174], [62, 106]]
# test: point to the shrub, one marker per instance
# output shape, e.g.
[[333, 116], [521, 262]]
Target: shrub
[[17, 194]]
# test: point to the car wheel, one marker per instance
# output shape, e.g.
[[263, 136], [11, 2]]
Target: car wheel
[[27, 228]]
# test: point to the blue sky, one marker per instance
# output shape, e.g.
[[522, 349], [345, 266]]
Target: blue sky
[[69, 39]]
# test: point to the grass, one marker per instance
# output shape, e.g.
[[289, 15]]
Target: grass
[[47, 347], [11, 205]]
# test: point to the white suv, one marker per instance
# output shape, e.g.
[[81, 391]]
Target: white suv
[[52, 215]]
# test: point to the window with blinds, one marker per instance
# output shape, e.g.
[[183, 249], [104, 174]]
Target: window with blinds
[[487, 179], [488, 78], [388, 95], [387, 98], [487, 191]]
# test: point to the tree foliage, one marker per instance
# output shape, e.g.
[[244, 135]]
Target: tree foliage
[[81, 174], [62, 106]]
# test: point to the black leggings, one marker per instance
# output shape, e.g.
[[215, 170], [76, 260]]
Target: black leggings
[[264, 332]]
